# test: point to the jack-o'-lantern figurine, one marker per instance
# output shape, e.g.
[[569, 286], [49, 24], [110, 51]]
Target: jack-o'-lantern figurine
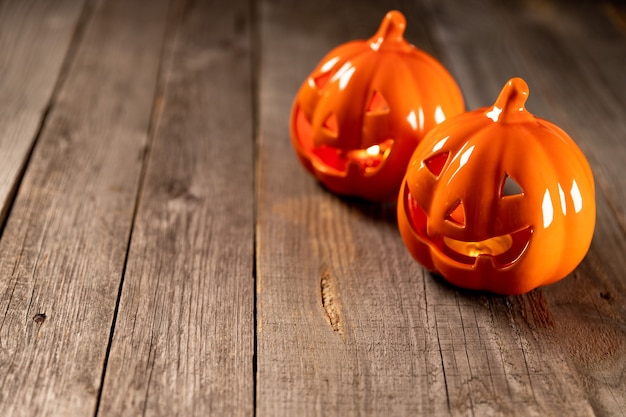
[[497, 199], [359, 116]]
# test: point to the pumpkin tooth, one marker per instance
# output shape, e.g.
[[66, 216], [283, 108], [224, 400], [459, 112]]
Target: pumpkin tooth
[[504, 250], [483, 262]]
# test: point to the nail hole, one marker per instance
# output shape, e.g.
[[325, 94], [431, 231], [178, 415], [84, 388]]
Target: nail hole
[[39, 318], [606, 295]]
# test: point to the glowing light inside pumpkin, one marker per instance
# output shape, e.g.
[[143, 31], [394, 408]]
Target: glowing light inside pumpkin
[[504, 250], [493, 246], [373, 150], [370, 158]]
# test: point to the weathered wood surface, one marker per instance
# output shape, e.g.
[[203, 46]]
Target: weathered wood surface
[[574, 55], [184, 338], [188, 265], [35, 36], [400, 341], [63, 249]]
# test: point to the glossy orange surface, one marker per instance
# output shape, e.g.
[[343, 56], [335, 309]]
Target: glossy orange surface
[[359, 116], [497, 199]]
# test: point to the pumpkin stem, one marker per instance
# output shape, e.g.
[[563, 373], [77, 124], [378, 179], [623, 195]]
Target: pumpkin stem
[[391, 29], [510, 105]]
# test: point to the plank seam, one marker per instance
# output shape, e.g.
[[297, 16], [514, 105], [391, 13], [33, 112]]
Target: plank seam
[[255, 75], [443, 367], [173, 22], [72, 48]]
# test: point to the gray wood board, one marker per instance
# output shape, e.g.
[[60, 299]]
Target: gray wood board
[[394, 339], [343, 327], [184, 338], [63, 249], [572, 56], [35, 37]]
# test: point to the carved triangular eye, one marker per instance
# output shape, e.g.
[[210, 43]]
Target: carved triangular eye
[[436, 163], [331, 124], [377, 104], [321, 80], [510, 187], [457, 215]]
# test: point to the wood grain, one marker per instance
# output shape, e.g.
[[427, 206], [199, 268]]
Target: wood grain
[[342, 324], [35, 37], [149, 188], [184, 340], [455, 352], [570, 56], [63, 248]]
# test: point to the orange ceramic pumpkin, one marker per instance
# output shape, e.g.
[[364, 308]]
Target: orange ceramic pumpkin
[[359, 116], [497, 199]]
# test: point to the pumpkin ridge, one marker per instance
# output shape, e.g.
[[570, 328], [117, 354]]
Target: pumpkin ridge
[[417, 98], [484, 145], [369, 74], [419, 57], [570, 145], [360, 47], [551, 190]]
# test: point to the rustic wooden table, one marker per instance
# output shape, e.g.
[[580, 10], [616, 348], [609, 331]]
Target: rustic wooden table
[[163, 252]]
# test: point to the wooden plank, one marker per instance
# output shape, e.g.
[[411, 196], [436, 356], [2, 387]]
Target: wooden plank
[[343, 327], [573, 59], [394, 339], [35, 37], [184, 340], [585, 87], [63, 249]]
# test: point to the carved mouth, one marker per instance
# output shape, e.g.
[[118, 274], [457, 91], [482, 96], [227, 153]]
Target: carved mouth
[[337, 161], [504, 250]]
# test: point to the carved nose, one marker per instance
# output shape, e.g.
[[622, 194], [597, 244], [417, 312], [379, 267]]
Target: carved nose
[[510, 187], [456, 215]]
